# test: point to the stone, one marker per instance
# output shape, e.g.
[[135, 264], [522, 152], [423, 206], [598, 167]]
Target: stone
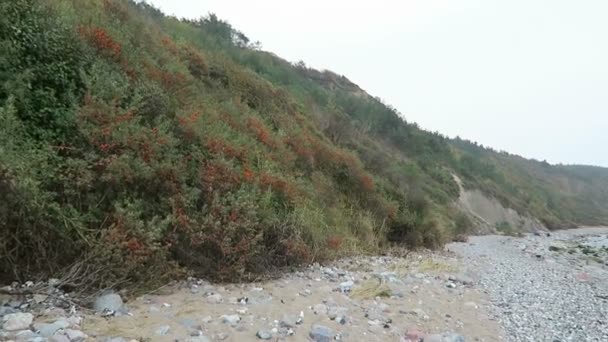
[[264, 335], [215, 298], [472, 305], [448, 337], [450, 285], [54, 282], [321, 333], [75, 335], [115, 339], [230, 319], [320, 309], [162, 330], [108, 302], [461, 278], [48, 329], [259, 297], [288, 321], [289, 332], [74, 321], [188, 322], [341, 320], [17, 321], [420, 313], [329, 272], [5, 310], [39, 298], [37, 339], [198, 339], [336, 311], [59, 338], [26, 335], [414, 335], [221, 336], [347, 286]]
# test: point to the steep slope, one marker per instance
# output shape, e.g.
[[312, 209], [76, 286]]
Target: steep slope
[[132, 143]]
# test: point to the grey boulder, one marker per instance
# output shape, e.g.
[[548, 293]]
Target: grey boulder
[[109, 301]]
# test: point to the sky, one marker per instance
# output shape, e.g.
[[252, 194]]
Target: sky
[[525, 76]]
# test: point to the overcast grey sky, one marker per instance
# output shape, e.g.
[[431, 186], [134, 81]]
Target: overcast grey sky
[[526, 76]]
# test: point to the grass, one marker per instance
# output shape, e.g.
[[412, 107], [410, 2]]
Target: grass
[[371, 289], [426, 264]]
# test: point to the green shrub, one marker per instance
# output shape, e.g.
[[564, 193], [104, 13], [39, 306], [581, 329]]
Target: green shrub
[[40, 68]]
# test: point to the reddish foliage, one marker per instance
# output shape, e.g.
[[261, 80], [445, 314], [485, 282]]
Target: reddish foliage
[[195, 61], [185, 123], [133, 245], [234, 124], [101, 40], [367, 183], [248, 175], [279, 185], [234, 215], [391, 212], [169, 80], [104, 126], [261, 132], [181, 216], [190, 119], [117, 235], [169, 44], [145, 151], [218, 177], [130, 71], [296, 252], [105, 147], [334, 242], [315, 153], [301, 147], [219, 146]]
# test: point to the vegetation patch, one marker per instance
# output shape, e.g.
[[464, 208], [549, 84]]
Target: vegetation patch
[[136, 147], [371, 289]]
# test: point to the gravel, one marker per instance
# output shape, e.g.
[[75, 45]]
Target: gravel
[[538, 294]]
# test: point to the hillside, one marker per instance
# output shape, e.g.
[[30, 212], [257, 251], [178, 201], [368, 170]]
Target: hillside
[[133, 144]]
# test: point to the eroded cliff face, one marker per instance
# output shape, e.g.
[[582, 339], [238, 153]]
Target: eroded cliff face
[[490, 216]]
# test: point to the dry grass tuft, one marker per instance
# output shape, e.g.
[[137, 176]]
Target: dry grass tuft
[[370, 289]]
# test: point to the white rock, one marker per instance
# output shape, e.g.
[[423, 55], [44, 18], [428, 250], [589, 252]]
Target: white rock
[[162, 330], [108, 301], [49, 329], [346, 286], [59, 337], [39, 298], [230, 319], [17, 321], [75, 335], [74, 320], [215, 298], [320, 309]]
